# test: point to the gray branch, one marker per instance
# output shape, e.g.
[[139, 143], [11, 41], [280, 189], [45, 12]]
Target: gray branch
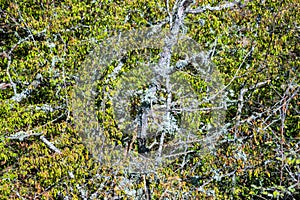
[[208, 7], [21, 135], [50, 145]]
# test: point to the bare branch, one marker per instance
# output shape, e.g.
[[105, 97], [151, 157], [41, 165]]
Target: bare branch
[[4, 86], [241, 98], [50, 145], [165, 58], [21, 135], [235, 75], [208, 7], [147, 192], [18, 97]]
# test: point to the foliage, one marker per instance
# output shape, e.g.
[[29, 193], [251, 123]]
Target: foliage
[[256, 48]]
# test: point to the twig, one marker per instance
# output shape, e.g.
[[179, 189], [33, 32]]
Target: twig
[[179, 154], [235, 75]]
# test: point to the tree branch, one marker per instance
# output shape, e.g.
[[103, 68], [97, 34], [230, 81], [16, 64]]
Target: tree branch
[[50, 145], [21, 135], [216, 8]]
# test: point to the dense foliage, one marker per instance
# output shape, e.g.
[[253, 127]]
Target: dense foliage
[[254, 45]]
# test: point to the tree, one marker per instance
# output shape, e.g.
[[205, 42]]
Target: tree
[[254, 46]]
